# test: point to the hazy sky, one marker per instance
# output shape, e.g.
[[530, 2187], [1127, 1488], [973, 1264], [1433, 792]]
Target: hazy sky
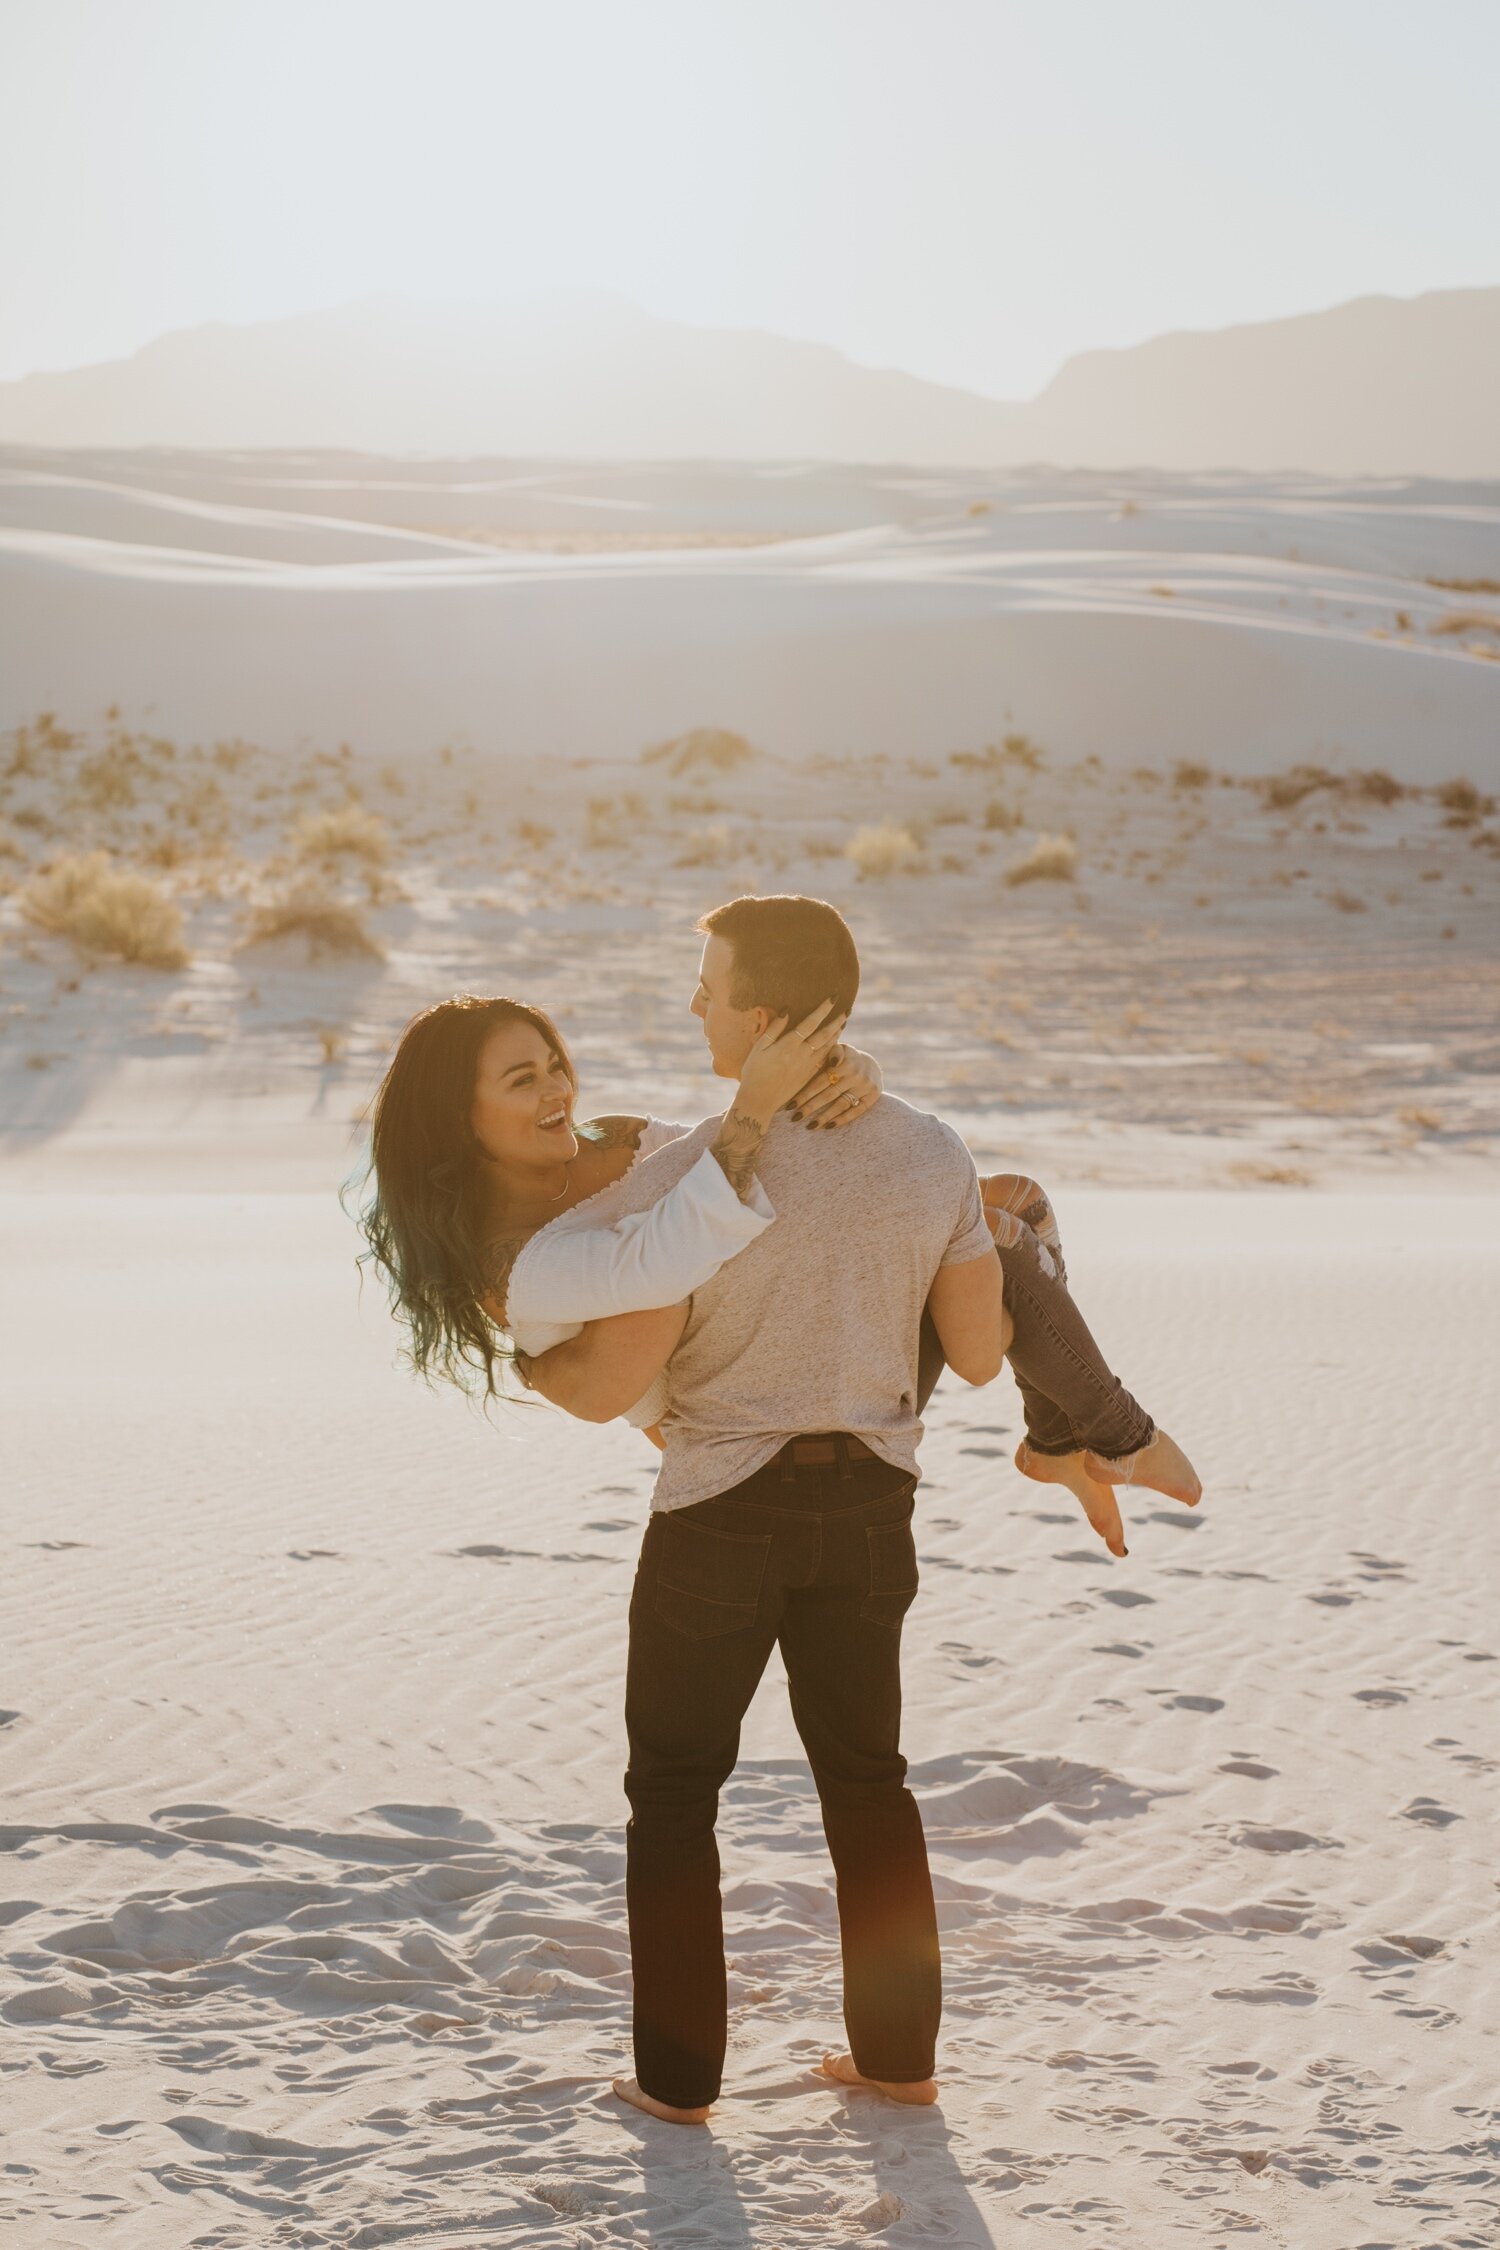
[[971, 189]]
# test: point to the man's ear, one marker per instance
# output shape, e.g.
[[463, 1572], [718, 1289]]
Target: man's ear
[[762, 1019]]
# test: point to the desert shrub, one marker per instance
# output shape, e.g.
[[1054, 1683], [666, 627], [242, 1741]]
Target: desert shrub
[[1467, 585], [116, 912], [203, 804], [1051, 859], [9, 848], [706, 847], [1463, 803], [882, 851], [1016, 749], [1347, 902], [327, 924], [106, 782], [1024, 752], [1284, 790], [1376, 787], [998, 814], [1188, 774], [345, 831], [701, 750], [534, 834]]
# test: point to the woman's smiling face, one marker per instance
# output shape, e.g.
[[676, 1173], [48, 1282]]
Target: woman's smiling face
[[522, 1111]]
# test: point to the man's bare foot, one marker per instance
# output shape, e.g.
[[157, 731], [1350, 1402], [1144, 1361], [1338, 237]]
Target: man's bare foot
[[919, 2093], [1095, 1494], [1162, 1465], [629, 2091]]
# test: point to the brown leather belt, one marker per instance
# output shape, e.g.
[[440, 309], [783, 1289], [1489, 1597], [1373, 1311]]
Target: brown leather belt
[[815, 1452]]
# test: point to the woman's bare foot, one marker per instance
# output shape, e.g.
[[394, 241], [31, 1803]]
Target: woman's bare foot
[[919, 2093], [629, 2091], [1094, 1493], [1162, 1465]]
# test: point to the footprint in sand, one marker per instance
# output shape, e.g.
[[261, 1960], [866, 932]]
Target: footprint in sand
[[313, 1554], [1283, 1840], [56, 1546], [1429, 1813], [1118, 1648], [1379, 1697], [1250, 1767], [1125, 1597], [1191, 1702], [1284, 1990]]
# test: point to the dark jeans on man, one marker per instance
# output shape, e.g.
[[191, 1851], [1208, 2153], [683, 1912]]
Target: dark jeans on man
[[818, 1558]]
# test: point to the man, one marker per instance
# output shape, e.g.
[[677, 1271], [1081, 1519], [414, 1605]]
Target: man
[[782, 1516]]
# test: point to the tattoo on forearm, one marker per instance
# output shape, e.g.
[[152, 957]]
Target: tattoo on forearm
[[736, 1148]]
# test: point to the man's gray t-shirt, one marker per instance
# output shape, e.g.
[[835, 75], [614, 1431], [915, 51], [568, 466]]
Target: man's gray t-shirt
[[814, 1326]]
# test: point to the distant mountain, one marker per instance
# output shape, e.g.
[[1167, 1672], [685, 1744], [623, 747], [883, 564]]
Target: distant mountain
[[571, 374], [1380, 386]]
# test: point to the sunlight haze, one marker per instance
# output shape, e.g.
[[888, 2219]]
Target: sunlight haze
[[970, 191]]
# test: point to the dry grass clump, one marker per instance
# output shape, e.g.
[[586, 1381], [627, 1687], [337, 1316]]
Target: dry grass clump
[[1051, 859], [535, 835], [113, 912], [701, 750], [346, 831], [886, 850], [1467, 585], [1001, 816], [328, 925], [1347, 902], [1189, 774]]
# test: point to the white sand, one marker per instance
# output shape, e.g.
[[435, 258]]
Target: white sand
[[1130, 616], [311, 1734], [314, 1924]]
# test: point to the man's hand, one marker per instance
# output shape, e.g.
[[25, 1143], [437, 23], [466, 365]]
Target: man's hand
[[601, 1372]]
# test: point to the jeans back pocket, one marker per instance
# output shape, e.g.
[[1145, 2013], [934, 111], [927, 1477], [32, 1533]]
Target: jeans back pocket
[[893, 1570], [708, 1581]]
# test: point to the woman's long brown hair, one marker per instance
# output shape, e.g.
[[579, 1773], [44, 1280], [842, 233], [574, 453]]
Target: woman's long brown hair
[[423, 1219]]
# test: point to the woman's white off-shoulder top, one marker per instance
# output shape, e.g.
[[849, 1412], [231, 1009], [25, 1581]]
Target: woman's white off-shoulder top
[[583, 1266]]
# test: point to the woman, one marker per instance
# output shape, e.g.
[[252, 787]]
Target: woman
[[478, 1222]]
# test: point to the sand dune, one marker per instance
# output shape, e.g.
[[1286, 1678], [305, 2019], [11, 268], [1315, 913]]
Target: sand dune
[[314, 1926], [1251, 622]]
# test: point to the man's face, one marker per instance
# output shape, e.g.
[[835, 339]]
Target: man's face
[[731, 1032]]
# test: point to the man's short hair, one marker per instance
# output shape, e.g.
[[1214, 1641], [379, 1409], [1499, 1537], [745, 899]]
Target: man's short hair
[[790, 954]]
